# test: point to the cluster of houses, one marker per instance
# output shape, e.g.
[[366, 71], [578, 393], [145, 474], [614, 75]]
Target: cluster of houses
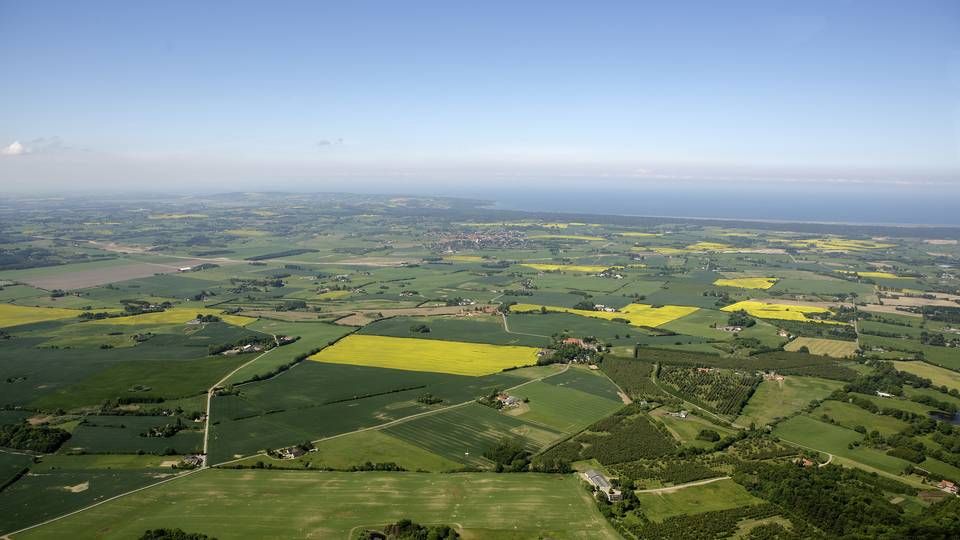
[[580, 343], [948, 486], [602, 485], [290, 452], [243, 349], [604, 308]]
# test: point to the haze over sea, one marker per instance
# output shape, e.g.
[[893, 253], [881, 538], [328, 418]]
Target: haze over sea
[[879, 204]]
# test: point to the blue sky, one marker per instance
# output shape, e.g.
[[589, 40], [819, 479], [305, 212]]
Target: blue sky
[[339, 94]]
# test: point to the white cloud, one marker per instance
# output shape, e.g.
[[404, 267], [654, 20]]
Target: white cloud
[[13, 149], [43, 145]]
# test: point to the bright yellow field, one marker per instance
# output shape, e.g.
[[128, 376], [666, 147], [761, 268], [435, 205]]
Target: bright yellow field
[[333, 295], [464, 258], [824, 347], [567, 267], [708, 246], [565, 237], [637, 314], [12, 315], [764, 310], [454, 357], [640, 234], [840, 244], [667, 250], [173, 316], [747, 282]]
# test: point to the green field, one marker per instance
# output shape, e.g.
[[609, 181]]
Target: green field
[[563, 408], [719, 495], [777, 399], [291, 504], [814, 434], [939, 376], [825, 347], [850, 416]]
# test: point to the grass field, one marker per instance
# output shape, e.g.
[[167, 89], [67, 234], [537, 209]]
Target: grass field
[[938, 375], [582, 268], [685, 430], [747, 282], [769, 310], [823, 347], [454, 357], [811, 433], [778, 399], [563, 408], [850, 416], [719, 495], [637, 314], [12, 315], [330, 505]]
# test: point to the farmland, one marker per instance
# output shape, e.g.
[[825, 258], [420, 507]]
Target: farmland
[[824, 347], [457, 358], [340, 362], [635, 314], [325, 505]]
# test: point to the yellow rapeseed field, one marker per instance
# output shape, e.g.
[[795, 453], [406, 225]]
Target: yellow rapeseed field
[[173, 316], [884, 275], [589, 269], [764, 310], [708, 246], [333, 295], [411, 354], [13, 315], [747, 282], [839, 244], [640, 234], [637, 314]]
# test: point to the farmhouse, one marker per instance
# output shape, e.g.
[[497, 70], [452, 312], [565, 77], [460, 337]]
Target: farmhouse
[[679, 414], [579, 343], [733, 329], [948, 486], [291, 452], [508, 400], [884, 394], [602, 485]]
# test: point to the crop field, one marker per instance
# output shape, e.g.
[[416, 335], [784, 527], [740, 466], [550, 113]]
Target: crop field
[[581, 268], [777, 399], [720, 495], [771, 310], [636, 314], [307, 504], [172, 316], [939, 376], [454, 357], [476, 329], [464, 433], [409, 330], [824, 347], [13, 315], [746, 282], [563, 408], [354, 449]]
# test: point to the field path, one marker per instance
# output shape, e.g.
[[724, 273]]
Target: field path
[[212, 389], [506, 328], [678, 487]]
